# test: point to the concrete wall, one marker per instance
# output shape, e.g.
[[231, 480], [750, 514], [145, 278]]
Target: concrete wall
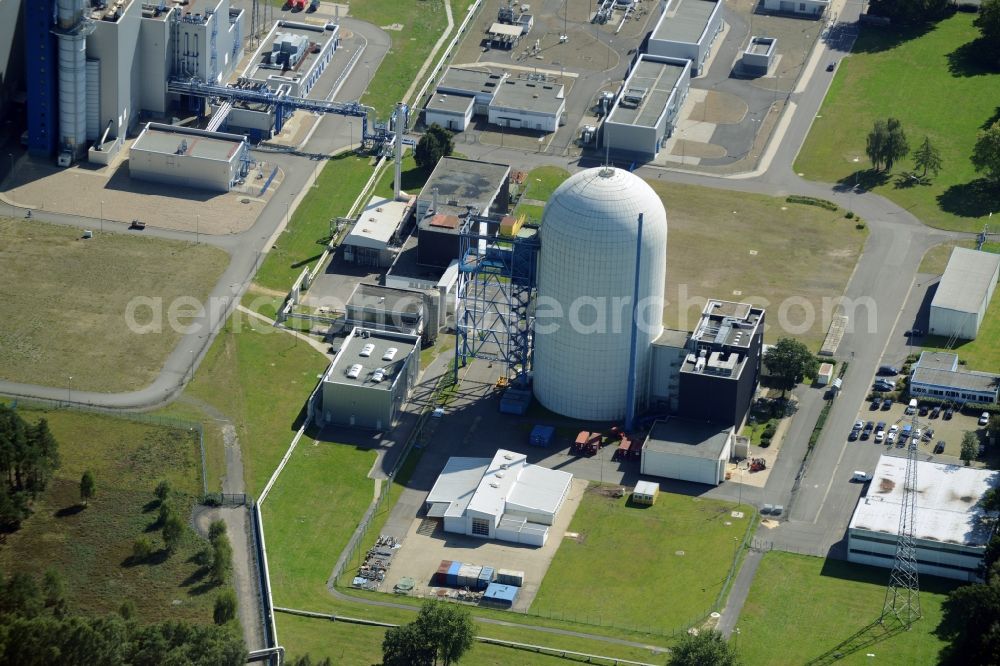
[[183, 170], [696, 51], [456, 122], [806, 8], [933, 558], [524, 119], [948, 323], [684, 468], [367, 407], [115, 45], [154, 62], [665, 375]]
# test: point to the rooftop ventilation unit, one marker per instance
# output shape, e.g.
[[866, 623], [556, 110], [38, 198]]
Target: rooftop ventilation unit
[[378, 375], [367, 350], [354, 371], [389, 354]]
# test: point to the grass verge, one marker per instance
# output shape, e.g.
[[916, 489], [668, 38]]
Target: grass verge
[[64, 303], [916, 77], [799, 607]]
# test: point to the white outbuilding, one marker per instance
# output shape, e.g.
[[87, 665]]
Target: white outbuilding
[[188, 157], [687, 451], [964, 293], [504, 498]]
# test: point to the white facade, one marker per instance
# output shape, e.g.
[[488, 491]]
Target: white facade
[[950, 528], [687, 451], [964, 293], [504, 498], [452, 112], [188, 157], [805, 8], [374, 238], [526, 104], [298, 80], [586, 276], [687, 29]]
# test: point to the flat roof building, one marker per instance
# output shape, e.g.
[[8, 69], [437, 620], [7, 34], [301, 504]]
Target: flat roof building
[[687, 29], [452, 112], [951, 529], [189, 157], [370, 379], [528, 103], [964, 293], [375, 239], [410, 311], [803, 8], [504, 498], [294, 55], [939, 375], [645, 111], [687, 450], [758, 56]]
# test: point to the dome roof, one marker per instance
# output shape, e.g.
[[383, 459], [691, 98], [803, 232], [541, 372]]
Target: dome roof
[[601, 199]]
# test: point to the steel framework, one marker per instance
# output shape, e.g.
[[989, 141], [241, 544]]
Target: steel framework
[[496, 285], [902, 597]]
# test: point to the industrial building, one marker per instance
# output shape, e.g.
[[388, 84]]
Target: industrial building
[[96, 69], [481, 85], [687, 450], [376, 237], [758, 56], [532, 103], [939, 375], [453, 112], [950, 528], [370, 378], [687, 29], [594, 261], [804, 8], [410, 311], [189, 157], [455, 186], [964, 293], [504, 498], [293, 56], [645, 110]]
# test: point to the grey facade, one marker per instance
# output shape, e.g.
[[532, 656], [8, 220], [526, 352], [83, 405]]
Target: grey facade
[[394, 309], [528, 104], [687, 29], [964, 293], [758, 56], [11, 53], [687, 450], [453, 112], [299, 74], [939, 375], [365, 400], [188, 157], [645, 110], [804, 8], [669, 352], [480, 85]]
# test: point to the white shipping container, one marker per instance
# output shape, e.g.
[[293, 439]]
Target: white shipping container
[[510, 577], [468, 575]]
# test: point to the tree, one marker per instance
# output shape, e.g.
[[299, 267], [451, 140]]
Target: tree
[[878, 138], [705, 647], [54, 592], [927, 158], [970, 447], [896, 147], [447, 628], [21, 596], [971, 623], [222, 556], [986, 153], [216, 529], [988, 23], [909, 11], [225, 607], [433, 145], [166, 510], [127, 610], [789, 362], [173, 529], [162, 491], [406, 646], [86, 487], [142, 548]]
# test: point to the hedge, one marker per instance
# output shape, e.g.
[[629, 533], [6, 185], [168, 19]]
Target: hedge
[[811, 201]]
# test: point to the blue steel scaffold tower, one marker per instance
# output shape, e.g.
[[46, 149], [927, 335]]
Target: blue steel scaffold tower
[[496, 285]]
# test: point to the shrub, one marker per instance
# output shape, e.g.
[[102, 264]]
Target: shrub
[[811, 201], [849, 215], [142, 548], [165, 512], [225, 607], [162, 490], [859, 225]]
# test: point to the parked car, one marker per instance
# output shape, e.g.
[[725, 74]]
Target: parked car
[[948, 413], [883, 385], [855, 433], [880, 426], [832, 65], [876, 403], [936, 412], [867, 430], [917, 434], [939, 447], [886, 404], [924, 410], [879, 436], [914, 333], [984, 418], [138, 225], [928, 434], [891, 437], [888, 370]]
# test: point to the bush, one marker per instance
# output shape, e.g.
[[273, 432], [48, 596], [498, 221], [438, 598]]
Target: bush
[[849, 215], [859, 225], [225, 607], [162, 490], [165, 512], [212, 499], [142, 548], [216, 529], [812, 201]]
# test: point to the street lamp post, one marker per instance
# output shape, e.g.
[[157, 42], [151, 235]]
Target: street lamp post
[[69, 389], [197, 228], [102, 216]]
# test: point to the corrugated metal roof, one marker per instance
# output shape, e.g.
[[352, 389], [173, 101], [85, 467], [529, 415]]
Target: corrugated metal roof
[[966, 280]]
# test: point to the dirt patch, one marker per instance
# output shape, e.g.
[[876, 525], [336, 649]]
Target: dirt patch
[[686, 148], [720, 108]]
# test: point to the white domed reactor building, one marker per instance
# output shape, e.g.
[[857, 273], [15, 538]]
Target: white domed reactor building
[[586, 279]]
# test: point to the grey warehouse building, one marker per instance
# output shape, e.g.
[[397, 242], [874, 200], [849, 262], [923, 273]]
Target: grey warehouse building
[[189, 157], [528, 104], [687, 451], [370, 379], [644, 112], [962, 296], [687, 29]]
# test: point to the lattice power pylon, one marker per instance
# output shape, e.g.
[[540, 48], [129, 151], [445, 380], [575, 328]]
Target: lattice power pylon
[[902, 597], [496, 282]]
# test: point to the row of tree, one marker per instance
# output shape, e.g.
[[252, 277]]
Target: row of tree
[[37, 630], [29, 455]]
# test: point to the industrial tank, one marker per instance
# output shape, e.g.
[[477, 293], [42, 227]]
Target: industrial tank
[[586, 277]]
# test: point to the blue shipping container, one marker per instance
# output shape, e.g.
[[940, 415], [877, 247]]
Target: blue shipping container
[[501, 595], [541, 435], [452, 578], [486, 577]]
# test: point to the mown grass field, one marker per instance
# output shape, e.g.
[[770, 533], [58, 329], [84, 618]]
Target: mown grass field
[[63, 303], [91, 546], [936, 258], [930, 81], [799, 607]]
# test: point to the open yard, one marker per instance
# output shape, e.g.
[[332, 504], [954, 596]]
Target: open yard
[[799, 607], [63, 302], [932, 84], [981, 354], [673, 556], [91, 547]]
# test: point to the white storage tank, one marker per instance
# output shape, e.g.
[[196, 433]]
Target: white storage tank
[[586, 276]]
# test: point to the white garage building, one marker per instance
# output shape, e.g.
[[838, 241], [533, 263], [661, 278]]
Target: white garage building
[[687, 451], [803, 8], [964, 293], [687, 29], [950, 528], [174, 155], [504, 498], [528, 104]]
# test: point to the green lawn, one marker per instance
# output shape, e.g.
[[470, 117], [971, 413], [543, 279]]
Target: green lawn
[[63, 304], [259, 377], [673, 556], [981, 354], [91, 546], [543, 181], [929, 84], [309, 517], [799, 607]]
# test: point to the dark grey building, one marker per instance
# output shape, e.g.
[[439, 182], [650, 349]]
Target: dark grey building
[[719, 374], [370, 379], [410, 311]]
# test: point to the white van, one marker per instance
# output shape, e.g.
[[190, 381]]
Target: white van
[[861, 476], [912, 407]]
